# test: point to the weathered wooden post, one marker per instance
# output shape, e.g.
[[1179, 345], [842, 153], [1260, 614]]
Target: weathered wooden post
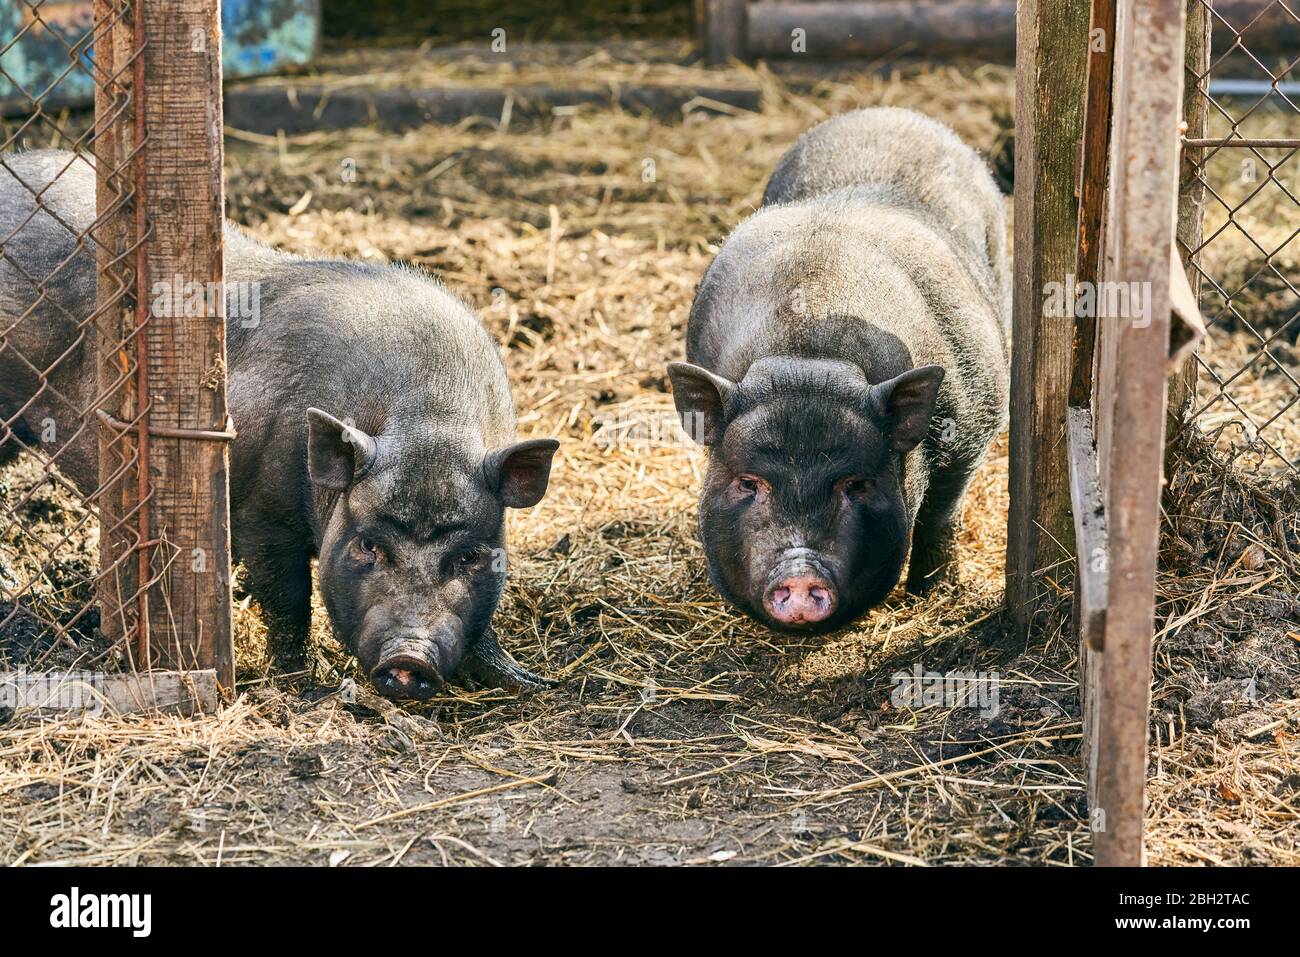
[[167, 402], [1191, 195], [1090, 533], [120, 346], [724, 30], [1131, 407], [1051, 65], [1117, 402]]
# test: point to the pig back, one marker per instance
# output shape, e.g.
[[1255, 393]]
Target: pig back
[[47, 294], [892, 156]]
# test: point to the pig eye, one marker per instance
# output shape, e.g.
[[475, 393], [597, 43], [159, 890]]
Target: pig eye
[[748, 484], [854, 487], [365, 550], [466, 561]]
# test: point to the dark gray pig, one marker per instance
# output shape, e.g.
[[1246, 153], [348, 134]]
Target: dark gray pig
[[376, 431], [848, 369]]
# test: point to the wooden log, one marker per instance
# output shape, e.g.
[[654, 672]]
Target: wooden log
[[1050, 74], [293, 109], [189, 510], [1130, 406], [96, 693], [724, 30], [871, 28], [877, 29]]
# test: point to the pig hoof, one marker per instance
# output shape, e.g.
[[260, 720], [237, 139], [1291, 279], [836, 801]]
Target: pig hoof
[[289, 664], [925, 585], [488, 664]]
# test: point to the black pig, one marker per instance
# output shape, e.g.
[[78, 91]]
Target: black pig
[[848, 369], [375, 430]]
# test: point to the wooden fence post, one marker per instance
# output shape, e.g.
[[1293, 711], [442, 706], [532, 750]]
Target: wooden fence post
[[724, 30], [1130, 409], [1191, 195], [189, 510], [119, 340], [1051, 65]]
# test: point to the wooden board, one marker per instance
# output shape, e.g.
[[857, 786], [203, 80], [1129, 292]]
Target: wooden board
[[1191, 193], [95, 693], [876, 28], [1089, 530], [120, 351], [1130, 407], [1094, 161], [293, 108]]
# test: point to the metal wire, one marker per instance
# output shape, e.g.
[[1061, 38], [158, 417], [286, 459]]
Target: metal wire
[[62, 548], [1249, 369]]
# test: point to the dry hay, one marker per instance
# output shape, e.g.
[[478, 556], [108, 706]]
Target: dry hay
[[682, 733], [1225, 775]]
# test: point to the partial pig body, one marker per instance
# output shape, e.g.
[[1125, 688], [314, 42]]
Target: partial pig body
[[375, 430], [848, 369]]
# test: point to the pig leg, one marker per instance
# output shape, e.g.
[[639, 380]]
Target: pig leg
[[487, 663], [279, 579], [21, 436], [934, 535], [8, 453]]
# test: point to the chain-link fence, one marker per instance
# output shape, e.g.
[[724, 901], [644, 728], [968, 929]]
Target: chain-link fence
[[1242, 108], [92, 456]]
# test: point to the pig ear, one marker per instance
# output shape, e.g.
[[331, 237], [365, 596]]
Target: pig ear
[[907, 405], [701, 399], [337, 454], [518, 473]]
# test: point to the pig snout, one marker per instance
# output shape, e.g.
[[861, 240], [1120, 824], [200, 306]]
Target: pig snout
[[409, 667], [800, 590], [800, 599]]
